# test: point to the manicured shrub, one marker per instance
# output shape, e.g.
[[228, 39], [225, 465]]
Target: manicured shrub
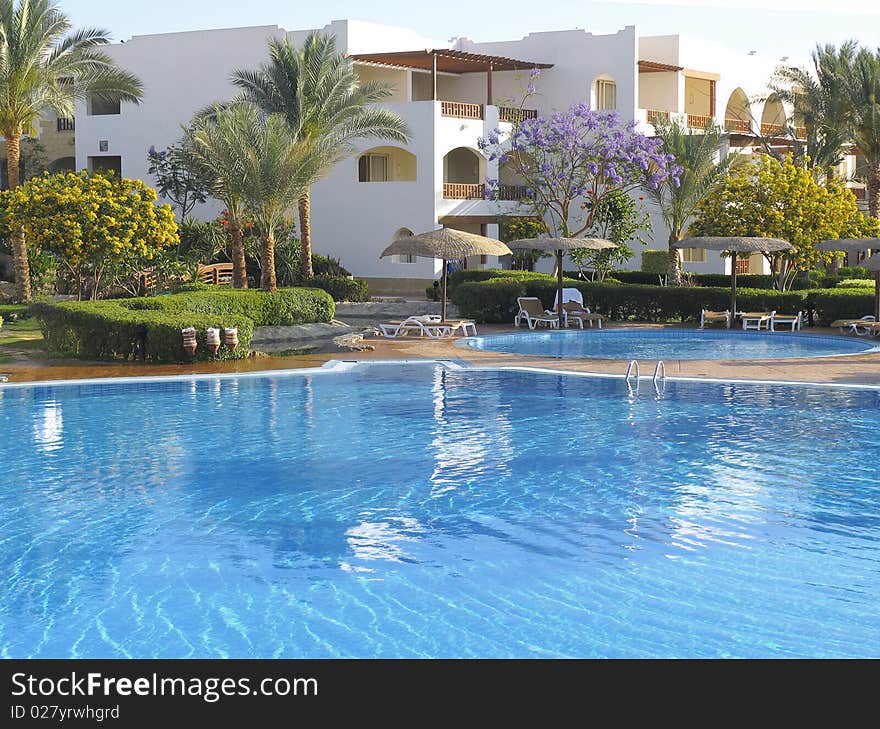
[[856, 283], [341, 288], [854, 272], [655, 262], [495, 300], [12, 312], [110, 329]]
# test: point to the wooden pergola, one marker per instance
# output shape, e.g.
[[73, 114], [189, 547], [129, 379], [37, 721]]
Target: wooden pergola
[[445, 60]]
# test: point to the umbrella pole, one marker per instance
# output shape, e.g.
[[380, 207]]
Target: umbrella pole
[[733, 260], [876, 295], [443, 306], [559, 285]]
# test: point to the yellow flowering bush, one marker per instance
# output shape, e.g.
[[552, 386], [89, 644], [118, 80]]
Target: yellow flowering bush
[[770, 198], [91, 223]]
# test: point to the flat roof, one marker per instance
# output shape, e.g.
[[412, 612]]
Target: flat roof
[[448, 61]]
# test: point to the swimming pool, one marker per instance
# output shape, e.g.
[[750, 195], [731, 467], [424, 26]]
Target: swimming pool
[[640, 343], [422, 510]]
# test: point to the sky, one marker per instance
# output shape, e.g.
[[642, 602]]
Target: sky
[[773, 27]]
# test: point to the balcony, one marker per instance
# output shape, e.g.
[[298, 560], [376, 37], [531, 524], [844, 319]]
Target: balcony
[[461, 110], [699, 121], [512, 192], [65, 124], [464, 191], [738, 126], [464, 110], [653, 115]]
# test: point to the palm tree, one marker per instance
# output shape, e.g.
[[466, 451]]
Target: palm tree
[[44, 65], [215, 145], [272, 168], [699, 153], [863, 101], [317, 91], [818, 99]]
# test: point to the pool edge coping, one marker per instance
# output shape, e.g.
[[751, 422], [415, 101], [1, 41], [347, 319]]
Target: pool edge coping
[[337, 366]]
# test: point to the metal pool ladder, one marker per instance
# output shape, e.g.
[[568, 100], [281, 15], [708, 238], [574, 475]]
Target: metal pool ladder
[[633, 365], [659, 371]]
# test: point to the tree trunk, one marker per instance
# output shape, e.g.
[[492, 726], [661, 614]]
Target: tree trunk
[[19, 245], [305, 233], [674, 263], [874, 191], [268, 281], [239, 269]]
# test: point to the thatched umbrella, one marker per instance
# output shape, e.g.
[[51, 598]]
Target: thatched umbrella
[[734, 245], [559, 246], [448, 244], [856, 245]]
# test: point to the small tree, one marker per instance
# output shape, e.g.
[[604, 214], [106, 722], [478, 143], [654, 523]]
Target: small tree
[[571, 162], [90, 222], [177, 178], [618, 219], [779, 199], [517, 228]]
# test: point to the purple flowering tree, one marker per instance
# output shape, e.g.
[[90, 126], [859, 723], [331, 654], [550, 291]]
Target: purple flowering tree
[[571, 162]]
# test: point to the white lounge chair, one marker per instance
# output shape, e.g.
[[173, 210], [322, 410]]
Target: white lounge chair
[[427, 326], [860, 327], [795, 321], [573, 309], [533, 313], [756, 320], [714, 317]]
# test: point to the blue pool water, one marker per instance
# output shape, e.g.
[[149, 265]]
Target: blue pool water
[[397, 510], [668, 344]]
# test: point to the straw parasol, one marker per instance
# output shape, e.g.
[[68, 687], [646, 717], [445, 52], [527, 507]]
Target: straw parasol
[[733, 245], [856, 245], [559, 246], [448, 244]]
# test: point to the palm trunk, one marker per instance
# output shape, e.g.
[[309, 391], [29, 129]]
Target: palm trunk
[[239, 270], [19, 245], [674, 263], [305, 233], [268, 282], [874, 190]]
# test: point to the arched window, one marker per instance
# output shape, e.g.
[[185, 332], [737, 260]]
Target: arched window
[[403, 233], [386, 164], [464, 173], [604, 93], [738, 113], [773, 119]]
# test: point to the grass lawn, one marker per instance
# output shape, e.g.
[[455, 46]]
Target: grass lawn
[[18, 339]]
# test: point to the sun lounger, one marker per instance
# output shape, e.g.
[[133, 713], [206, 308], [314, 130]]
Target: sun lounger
[[756, 320], [795, 321], [714, 317], [532, 312], [860, 327], [574, 312], [427, 326]]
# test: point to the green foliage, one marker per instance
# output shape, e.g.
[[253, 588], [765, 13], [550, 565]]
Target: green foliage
[[850, 283], [655, 262], [341, 288], [202, 242], [328, 266], [177, 179], [854, 272], [618, 219], [493, 300], [110, 329], [12, 312], [520, 229]]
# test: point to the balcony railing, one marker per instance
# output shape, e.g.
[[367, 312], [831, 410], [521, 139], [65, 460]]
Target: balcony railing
[[772, 130], [512, 192], [652, 115], [698, 121], [860, 192], [463, 191], [65, 124], [515, 116], [461, 110], [800, 132], [738, 126]]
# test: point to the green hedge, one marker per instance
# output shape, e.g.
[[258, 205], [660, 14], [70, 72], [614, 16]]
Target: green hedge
[[110, 329], [341, 288], [495, 300], [11, 312]]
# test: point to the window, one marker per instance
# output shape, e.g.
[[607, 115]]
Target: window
[[693, 255], [373, 168], [106, 164], [407, 258], [606, 95], [102, 107]]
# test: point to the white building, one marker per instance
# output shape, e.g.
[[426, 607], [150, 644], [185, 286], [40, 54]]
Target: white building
[[450, 97]]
